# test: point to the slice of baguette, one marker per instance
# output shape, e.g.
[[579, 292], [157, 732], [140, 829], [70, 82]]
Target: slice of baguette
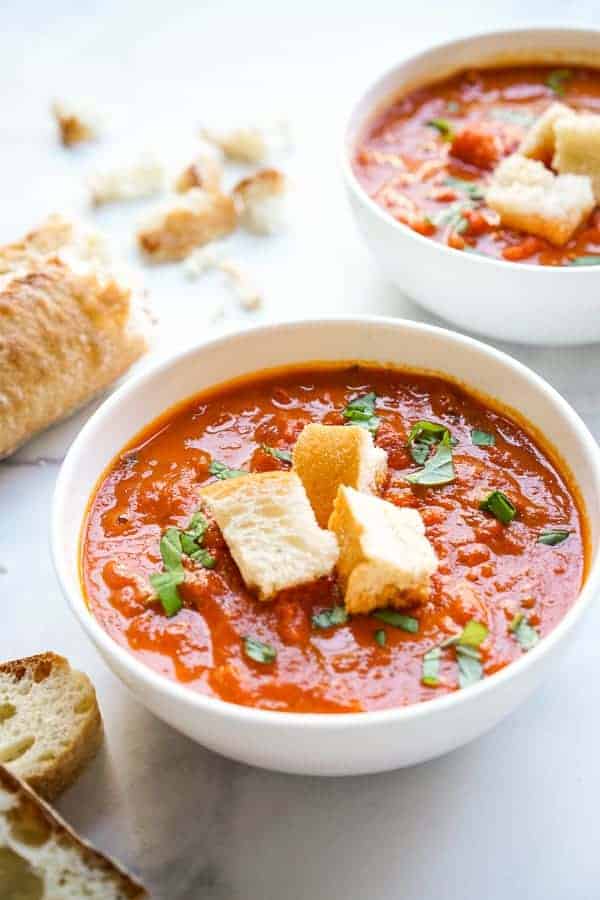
[[271, 531], [50, 723], [326, 456], [41, 858], [385, 558]]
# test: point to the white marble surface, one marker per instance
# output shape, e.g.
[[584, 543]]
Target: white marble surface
[[510, 816]]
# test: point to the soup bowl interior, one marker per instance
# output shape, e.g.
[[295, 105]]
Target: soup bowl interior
[[506, 300], [315, 743]]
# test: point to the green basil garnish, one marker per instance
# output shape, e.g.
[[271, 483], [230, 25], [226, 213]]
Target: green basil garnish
[[525, 633], [381, 637], [473, 190], [282, 455], [513, 116], [438, 469], [397, 620], [431, 667], [470, 669], [444, 127], [499, 506], [165, 584], [361, 411], [553, 537], [473, 634], [259, 652], [329, 618], [557, 79], [422, 436], [585, 261], [220, 470], [482, 438], [174, 544]]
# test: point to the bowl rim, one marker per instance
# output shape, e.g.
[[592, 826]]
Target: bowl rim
[[146, 677], [352, 117]]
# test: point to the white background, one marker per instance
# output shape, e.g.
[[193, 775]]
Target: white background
[[513, 815]]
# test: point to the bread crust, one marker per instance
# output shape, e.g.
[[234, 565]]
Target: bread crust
[[48, 820], [56, 775], [64, 335]]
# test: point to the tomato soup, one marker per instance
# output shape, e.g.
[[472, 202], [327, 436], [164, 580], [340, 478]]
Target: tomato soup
[[504, 524], [427, 157]]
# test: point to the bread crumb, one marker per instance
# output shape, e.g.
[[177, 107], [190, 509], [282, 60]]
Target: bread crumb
[[241, 285], [78, 122], [202, 260], [205, 172], [252, 143], [197, 217], [260, 200], [142, 178]]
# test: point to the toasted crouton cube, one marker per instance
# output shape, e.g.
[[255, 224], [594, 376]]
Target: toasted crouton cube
[[261, 201], [578, 148], [141, 178], [205, 172], [271, 531], [385, 558], [529, 197], [77, 122], [326, 456], [195, 219], [251, 143], [538, 143]]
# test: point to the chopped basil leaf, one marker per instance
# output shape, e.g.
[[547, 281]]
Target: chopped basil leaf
[[431, 667], [170, 548], [381, 637], [453, 215], [482, 438], [470, 669], [439, 469], [585, 261], [422, 436], [444, 127], [499, 506], [361, 411], [453, 106], [201, 555], [556, 80], [526, 635], [328, 618], [553, 537], [259, 652], [398, 620], [197, 527], [513, 116], [473, 190], [165, 585], [473, 634], [223, 472], [282, 455]]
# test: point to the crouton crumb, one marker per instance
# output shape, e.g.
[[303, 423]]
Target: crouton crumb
[[196, 218], [205, 172], [260, 199], [251, 143], [142, 178], [77, 122]]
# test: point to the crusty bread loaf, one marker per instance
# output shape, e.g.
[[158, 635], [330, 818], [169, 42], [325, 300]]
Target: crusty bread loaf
[[194, 219], [41, 858], [539, 141], [578, 147], [385, 558], [529, 197], [326, 456], [271, 531], [50, 724], [69, 326]]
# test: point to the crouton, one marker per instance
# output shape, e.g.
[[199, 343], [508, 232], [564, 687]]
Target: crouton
[[241, 285], [578, 148], [326, 456], [251, 143], [205, 172], [261, 201], [529, 197], [195, 219], [271, 531], [77, 122], [385, 558], [538, 143], [141, 178]]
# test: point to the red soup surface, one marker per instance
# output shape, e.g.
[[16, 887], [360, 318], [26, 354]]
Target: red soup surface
[[427, 157], [496, 574]]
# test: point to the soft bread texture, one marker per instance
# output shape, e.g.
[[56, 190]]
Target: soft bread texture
[[539, 141], [261, 203], [527, 196], [385, 558], [326, 456], [50, 724], [578, 148], [271, 531], [41, 858], [70, 325], [143, 177], [194, 219]]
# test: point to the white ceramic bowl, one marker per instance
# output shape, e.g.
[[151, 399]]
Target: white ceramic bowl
[[311, 743], [508, 301]]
